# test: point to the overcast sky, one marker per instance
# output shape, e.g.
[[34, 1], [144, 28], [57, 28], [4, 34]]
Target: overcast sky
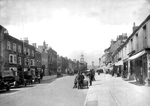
[[72, 27]]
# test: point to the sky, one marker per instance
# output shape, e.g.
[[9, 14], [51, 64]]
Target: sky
[[73, 27]]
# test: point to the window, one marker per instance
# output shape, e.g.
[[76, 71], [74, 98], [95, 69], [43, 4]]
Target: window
[[144, 36], [12, 59], [14, 47], [137, 42], [32, 62], [19, 60], [24, 50], [15, 59], [29, 62], [8, 45], [131, 45], [19, 48], [28, 51], [25, 61], [37, 62], [32, 53]]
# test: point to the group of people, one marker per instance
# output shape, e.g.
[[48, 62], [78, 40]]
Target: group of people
[[79, 79]]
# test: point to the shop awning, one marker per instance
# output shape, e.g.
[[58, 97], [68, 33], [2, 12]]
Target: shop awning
[[119, 63], [137, 55]]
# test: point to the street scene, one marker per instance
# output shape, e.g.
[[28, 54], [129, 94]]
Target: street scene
[[105, 91], [74, 52]]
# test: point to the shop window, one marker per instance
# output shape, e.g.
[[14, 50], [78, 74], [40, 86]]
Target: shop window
[[8, 45]]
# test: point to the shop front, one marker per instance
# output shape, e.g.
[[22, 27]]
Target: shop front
[[118, 68], [138, 66], [125, 68]]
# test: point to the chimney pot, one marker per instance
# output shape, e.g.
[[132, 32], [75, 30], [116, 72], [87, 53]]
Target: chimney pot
[[134, 24]]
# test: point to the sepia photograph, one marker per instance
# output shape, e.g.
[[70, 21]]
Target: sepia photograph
[[74, 52]]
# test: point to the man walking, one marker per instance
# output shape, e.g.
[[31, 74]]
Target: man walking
[[91, 76]]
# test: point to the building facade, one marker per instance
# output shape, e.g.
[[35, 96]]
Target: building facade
[[28, 56], [38, 60], [44, 58], [52, 60], [11, 54], [17, 56], [135, 53]]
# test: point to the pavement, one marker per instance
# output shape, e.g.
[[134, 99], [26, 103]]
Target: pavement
[[114, 91]]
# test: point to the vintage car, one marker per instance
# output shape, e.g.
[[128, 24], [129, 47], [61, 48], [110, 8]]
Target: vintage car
[[4, 85], [14, 78], [37, 74], [59, 72]]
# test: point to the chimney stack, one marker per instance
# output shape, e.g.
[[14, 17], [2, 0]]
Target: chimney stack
[[34, 44], [134, 27], [112, 42], [26, 40], [134, 24]]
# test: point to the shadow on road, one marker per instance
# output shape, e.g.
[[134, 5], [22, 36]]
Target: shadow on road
[[48, 81], [137, 83], [127, 79], [32, 85], [8, 92]]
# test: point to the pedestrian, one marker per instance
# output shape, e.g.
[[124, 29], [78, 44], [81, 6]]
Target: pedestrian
[[90, 77], [93, 72], [41, 74], [80, 79], [76, 81]]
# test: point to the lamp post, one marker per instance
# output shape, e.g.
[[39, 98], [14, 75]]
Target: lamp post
[[93, 64], [99, 62]]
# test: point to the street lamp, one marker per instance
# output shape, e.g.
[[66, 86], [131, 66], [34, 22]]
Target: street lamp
[[93, 64]]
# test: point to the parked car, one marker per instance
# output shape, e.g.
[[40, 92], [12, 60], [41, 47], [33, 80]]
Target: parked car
[[14, 78], [37, 77], [28, 76], [59, 72], [4, 85]]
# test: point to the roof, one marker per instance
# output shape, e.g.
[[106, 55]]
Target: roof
[[148, 18], [118, 49]]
